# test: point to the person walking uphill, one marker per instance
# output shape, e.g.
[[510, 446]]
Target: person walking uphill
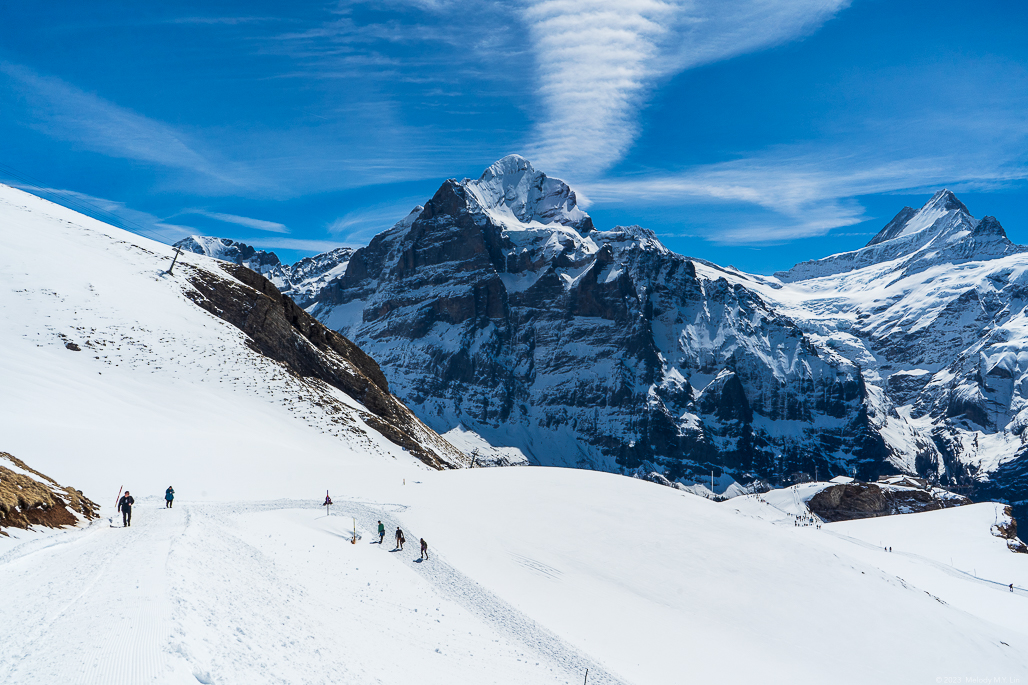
[[125, 507], [424, 549], [399, 539], [381, 533], [169, 497]]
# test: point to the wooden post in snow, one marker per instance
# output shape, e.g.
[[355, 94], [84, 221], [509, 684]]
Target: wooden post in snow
[[173, 260]]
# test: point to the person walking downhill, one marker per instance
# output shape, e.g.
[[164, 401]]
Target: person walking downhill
[[399, 539], [125, 507], [169, 497], [381, 533], [424, 549]]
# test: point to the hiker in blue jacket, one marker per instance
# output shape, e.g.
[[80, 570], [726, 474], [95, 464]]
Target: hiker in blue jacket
[[169, 497]]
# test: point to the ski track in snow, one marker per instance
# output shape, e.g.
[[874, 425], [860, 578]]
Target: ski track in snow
[[159, 622], [129, 649]]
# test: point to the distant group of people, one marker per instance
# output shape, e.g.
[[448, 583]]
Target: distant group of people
[[400, 539], [126, 501], [801, 521]]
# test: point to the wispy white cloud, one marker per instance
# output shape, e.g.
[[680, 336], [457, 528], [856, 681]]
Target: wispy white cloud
[[805, 194], [359, 226], [599, 59], [67, 113], [259, 224], [113, 212]]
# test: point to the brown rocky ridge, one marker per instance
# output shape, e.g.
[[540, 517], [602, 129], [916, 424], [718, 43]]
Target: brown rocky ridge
[[37, 500], [849, 501], [279, 329], [1007, 529]]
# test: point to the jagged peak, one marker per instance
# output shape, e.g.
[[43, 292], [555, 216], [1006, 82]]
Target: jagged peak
[[910, 221], [514, 194], [406, 221], [947, 201], [219, 248], [942, 229], [506, 166]]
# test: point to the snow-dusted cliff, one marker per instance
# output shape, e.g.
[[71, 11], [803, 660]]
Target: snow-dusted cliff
[[501, 308]]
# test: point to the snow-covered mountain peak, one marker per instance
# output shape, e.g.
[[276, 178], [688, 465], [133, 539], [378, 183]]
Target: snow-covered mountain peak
[[406, 221], [514, 194], [942, 231], [224, 249], [941, 212], [265, 263], [946, 200]]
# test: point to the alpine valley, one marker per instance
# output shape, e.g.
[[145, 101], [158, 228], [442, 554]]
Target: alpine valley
[[270, 460], [498, 308]]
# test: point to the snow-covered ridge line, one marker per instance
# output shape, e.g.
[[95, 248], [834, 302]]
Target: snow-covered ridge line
[[300, 281]]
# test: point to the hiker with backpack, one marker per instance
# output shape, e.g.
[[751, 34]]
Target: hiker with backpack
[[424, 549], [381, 532], [399, 539], [169, 497], [125, 507]]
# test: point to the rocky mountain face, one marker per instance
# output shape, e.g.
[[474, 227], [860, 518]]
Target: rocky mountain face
[[301, 281], [500, 307], [279, 329]]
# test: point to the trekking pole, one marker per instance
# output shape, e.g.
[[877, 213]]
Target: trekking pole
[[586, 681]]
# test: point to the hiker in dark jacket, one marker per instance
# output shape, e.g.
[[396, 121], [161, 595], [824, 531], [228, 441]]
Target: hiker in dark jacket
[[381, 533], [125, 507], [424, 549], [169, 497], [399, 539]]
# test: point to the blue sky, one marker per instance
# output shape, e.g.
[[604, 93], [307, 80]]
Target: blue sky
[[753, 133]]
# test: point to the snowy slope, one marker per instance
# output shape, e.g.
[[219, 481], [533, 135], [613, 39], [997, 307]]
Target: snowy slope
[[159, 386], [534, 575], [671, 588], [249, 593]]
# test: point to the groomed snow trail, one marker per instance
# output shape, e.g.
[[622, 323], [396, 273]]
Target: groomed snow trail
[[103, 592], [260, 592]]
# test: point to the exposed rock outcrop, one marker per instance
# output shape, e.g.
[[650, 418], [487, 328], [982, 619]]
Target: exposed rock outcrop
[[29, 498], [849, 501], [1007, 529], [279, 329]]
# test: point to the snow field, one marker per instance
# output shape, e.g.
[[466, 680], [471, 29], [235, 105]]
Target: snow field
[[161, 392], [245, 593], [663, 585], [535, 575]]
